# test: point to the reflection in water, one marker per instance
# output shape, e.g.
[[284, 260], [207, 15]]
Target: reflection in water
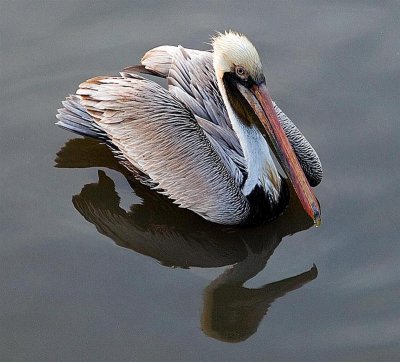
[[177, 237], [232, 312]]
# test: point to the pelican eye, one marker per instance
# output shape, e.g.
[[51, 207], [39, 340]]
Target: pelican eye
[[241, 72]]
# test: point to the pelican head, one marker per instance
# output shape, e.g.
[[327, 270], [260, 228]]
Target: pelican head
[[242, 84], [234, 53]]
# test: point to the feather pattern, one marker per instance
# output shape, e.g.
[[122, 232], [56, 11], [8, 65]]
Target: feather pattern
[[308, 158], [191, 78], [157, 133], [181, 141]]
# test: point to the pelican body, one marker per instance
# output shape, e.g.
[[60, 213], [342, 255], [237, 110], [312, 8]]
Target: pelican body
[[207, 141]]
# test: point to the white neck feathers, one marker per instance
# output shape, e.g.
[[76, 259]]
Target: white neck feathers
[[261, 169]]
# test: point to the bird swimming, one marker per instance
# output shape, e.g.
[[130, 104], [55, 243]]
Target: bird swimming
[[207, 141]]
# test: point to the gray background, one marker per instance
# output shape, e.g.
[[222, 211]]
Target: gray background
[[70, 293]]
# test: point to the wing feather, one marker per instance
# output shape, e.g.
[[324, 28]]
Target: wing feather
[[158, 134], [191, 78]]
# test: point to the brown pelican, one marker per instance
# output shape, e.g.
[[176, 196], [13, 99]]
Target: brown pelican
[[205, 142]]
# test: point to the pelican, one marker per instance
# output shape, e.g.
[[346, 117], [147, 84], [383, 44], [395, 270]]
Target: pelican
[[206, 142]]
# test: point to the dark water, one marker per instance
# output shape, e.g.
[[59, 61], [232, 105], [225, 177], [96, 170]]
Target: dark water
[[95, 267]]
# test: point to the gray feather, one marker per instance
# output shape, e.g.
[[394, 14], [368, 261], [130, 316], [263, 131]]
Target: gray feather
[[305, 153], [160, 136], [191, 78]]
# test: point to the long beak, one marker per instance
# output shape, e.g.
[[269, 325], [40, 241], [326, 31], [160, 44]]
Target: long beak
[[261, 102]]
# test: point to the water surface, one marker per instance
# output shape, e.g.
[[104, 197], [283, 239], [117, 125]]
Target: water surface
[[96, 267]]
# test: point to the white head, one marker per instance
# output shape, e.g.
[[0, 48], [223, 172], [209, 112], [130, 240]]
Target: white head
[[233, 52]]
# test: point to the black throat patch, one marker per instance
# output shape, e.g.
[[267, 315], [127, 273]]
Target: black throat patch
[[263, 208]]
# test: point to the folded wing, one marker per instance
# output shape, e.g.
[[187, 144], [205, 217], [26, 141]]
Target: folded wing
[[160, 136], [191, 78]]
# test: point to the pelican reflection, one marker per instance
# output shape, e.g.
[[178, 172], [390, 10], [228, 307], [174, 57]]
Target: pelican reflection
[[177, 237]]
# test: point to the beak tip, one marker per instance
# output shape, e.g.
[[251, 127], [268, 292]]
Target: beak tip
[[317, 215]]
